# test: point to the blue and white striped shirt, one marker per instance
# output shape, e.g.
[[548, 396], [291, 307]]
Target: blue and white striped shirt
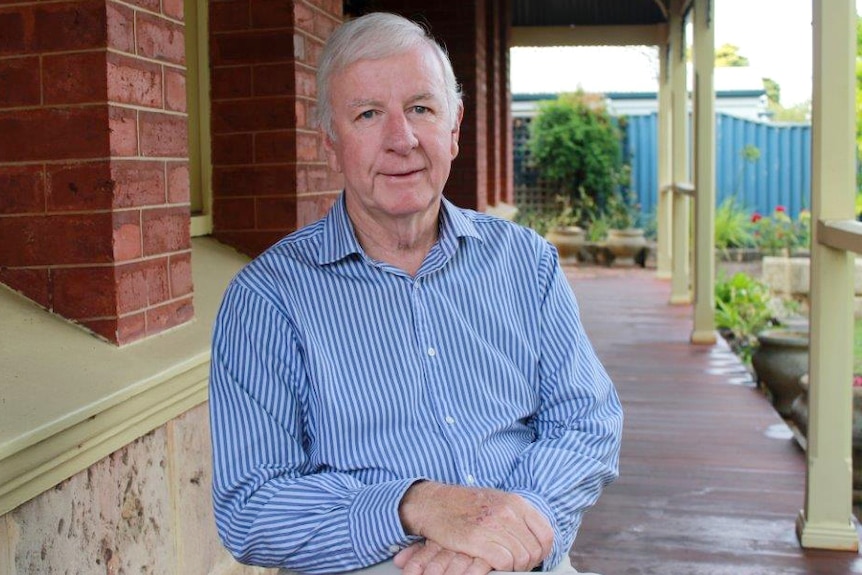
[[338, 381]]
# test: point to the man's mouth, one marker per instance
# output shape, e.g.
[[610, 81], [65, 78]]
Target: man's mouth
[[401, 174]]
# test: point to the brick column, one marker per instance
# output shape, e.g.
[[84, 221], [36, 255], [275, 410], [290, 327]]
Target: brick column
[[94, 199], [504, 95], [269, 170], [494, 126]]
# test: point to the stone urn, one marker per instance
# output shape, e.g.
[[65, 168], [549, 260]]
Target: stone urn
[[626, 243], [780, 360], [569, 241]]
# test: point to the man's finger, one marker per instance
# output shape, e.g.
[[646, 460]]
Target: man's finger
[[402, 557]]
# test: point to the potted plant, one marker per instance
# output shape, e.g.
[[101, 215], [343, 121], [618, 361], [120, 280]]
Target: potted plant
[[565, 231], [625, 236]]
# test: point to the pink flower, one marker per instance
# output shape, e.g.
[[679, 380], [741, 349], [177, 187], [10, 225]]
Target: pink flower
[[857, 380]]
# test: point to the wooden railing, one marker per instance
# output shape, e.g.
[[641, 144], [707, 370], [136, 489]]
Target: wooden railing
[[841, 234]]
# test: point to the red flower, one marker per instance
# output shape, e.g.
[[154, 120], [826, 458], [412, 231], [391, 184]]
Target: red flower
[[755, 217], [780, 209]]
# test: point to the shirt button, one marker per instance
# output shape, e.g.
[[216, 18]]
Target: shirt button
[[432, 352], [470, 479], [450, 420], [394, 548]]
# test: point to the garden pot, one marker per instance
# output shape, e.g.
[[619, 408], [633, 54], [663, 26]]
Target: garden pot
[[569, 241], [779, 361], [626, 243]]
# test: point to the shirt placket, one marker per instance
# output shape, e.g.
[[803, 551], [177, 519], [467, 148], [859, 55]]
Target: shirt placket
[[433, 368]]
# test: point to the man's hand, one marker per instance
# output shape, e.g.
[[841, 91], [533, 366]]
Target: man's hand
[[429, 558], [502, 529]]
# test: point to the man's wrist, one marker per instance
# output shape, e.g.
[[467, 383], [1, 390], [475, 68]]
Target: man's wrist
[[412, 507]]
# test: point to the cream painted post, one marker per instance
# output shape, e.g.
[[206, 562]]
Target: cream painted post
[[704, 174], [665, 166], [679, 143], [826, 522], [198, 104]]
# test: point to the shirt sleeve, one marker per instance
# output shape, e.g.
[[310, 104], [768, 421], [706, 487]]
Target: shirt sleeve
[[272, 506], [578, 425]]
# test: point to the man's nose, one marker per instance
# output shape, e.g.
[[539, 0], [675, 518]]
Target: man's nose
[[399, 134]]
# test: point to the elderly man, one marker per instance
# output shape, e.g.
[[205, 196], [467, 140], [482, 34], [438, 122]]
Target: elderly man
[[404, 382]]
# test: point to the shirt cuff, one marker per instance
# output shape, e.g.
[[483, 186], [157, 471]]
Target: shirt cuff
[[375, 525], [559, 549]]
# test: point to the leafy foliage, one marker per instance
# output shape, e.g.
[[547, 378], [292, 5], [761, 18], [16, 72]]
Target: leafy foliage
[[733, 228], [779, 233], [742, 310], [622, 211], [727, 55], [565, 214], [773, 90], [576, 145]]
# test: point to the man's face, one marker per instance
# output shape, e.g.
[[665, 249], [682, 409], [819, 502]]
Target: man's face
[[394, 137]]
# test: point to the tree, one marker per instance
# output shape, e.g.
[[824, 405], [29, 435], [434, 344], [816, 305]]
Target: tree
[[727, 55], [575, 144], [773, 90]]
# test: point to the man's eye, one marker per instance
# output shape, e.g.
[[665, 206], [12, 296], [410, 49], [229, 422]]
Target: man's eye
[[420, 109], [367, 115]]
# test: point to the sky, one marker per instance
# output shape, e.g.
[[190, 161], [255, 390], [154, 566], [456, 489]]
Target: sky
[[775, 36]]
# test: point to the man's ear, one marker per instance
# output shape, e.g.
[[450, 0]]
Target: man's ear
[[331, 154], [456, 130]]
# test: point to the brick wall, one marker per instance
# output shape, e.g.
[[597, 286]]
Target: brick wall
[[269, 171], [94, 195]]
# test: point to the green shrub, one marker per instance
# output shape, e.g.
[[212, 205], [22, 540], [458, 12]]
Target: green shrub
[[733, 228], [779, 233], [575, 145], [742, 309]]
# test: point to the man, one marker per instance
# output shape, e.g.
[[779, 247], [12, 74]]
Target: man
[[404, 378]]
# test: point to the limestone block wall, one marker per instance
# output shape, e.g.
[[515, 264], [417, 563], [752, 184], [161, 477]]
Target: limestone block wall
[[144, 509], [790, 277]]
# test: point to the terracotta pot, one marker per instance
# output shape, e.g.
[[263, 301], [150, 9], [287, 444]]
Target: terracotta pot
[[626, 243], [779, 361], [569, 241]]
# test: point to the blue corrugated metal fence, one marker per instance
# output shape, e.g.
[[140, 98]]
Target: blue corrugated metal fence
[[764, 165]]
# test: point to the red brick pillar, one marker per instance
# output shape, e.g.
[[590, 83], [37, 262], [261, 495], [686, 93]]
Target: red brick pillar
[[269, 171], [503, 10], [493, 125], [94, 199]]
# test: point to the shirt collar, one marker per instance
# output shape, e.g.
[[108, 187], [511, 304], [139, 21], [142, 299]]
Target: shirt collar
[[339, 240]]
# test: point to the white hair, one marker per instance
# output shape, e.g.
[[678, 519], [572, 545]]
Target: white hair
[[372, 37]]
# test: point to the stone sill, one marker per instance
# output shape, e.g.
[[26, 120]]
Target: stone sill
[[68, 399]]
